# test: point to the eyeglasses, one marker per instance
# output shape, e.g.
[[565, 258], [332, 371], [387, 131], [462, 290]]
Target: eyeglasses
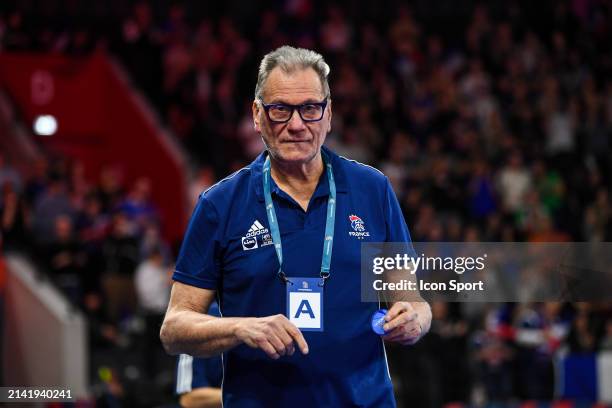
[[283, 112]]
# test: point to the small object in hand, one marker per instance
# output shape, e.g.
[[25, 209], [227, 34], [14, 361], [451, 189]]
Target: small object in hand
[[378, 321]]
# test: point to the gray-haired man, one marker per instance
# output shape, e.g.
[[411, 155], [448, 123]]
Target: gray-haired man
[[278, 243]]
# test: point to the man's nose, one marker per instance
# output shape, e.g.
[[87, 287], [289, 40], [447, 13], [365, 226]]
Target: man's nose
[[296, 122]]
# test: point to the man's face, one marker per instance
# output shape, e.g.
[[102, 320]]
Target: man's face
[[294, 141]]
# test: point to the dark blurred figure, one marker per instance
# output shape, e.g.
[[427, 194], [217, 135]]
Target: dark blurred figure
[[540, 331], [137, 205], [140, 49], [37, 181], [582, 338], [51, 204], [152, 281], [495, 356], [448, 343], [67, 260], [14, 219], [120, 253], [110, 189], [10, 176], [16, 36]]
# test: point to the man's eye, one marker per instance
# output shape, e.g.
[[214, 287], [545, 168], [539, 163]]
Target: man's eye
[[310, 108], [281, 108]]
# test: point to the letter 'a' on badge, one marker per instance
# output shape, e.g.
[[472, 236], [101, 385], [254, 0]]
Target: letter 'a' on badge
[[378, 321], [305, 303]]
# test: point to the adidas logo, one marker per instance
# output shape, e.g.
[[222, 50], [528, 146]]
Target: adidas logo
[[250, 240], [256, 226], [256, 229]]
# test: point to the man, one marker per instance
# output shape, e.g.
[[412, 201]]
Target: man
[[152, 284], [198, 380], [273, 228]]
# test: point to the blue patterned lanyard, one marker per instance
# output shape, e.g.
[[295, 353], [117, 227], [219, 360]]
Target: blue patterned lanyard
[[329, 222]]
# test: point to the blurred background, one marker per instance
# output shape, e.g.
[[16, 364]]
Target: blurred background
[[493, 121]]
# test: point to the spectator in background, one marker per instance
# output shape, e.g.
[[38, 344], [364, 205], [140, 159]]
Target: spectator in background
[[141, 50], [482, 191], [606, 341], [91, 227], [540, 330], [559, 126], [151, 241], [549, 185], [203, 179], [52, 203], [545, 231], [79, 187], [8, 175], [395, 167], [103, 332], [448, 339], [91, 222], [137, 206], [37, 181], [514, 181], [531, 216], [597, 218], [120, 252], [152, 282], [110, 189], [248, 137], [494, 355], [581, 337], [15, 36], [66, 259], [335, 32], [14, 219]]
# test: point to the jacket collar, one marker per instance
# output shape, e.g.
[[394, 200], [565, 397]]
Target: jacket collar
[[322, 188]]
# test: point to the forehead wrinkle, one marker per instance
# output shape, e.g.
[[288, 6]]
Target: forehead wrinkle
[[295, 87]]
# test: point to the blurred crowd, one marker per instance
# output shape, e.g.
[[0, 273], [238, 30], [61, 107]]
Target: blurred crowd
[[100, 243], [492, 120]]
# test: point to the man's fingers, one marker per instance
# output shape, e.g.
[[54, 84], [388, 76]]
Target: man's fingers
[[405, 334], [400, 333], [392, 334], [395, 334], [397, 309], [401, 319], [297, 336], [267, 347], [392, 337], [278, 345], [287, 341]]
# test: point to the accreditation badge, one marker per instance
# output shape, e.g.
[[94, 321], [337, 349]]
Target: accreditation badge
[[305, 303]]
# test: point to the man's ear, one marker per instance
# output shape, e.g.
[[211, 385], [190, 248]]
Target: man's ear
[[256, 125]]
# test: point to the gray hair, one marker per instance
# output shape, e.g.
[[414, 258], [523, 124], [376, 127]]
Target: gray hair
[[289, 59]]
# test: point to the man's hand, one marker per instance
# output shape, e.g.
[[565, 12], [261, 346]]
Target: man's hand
[[402, 324], [275, 335]]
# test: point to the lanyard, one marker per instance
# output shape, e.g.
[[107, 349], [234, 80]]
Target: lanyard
[[329, 222]]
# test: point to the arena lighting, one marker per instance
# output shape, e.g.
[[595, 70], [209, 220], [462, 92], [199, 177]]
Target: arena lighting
[[45, 125]]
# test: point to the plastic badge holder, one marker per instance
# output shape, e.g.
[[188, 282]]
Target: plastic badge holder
[[378, 321]]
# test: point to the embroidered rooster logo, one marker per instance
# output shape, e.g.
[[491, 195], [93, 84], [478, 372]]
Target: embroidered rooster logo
[[357, 223]]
